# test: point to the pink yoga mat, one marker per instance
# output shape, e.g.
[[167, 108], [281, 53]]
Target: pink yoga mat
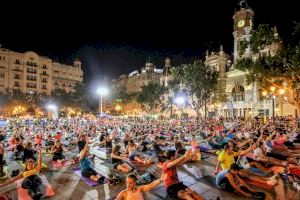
[[23, 193], [58, 165]]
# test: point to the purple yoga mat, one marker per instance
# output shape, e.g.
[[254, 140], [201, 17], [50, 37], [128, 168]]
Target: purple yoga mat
[[88, 181]]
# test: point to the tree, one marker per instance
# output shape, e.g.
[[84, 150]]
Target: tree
[[220, 95], [80, 97], [149, 97], [281, 70], [199, 80]]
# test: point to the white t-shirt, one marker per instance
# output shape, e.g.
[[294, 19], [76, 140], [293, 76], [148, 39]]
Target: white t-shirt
[[258, 153]]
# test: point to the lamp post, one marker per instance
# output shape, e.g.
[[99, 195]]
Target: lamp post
[[264, 93], [281, 92], [102, 91], [272, 88]]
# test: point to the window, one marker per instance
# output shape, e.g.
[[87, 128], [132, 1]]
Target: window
[[44, 67], [17, 61], [238, 93], [31, 78], [17, 84], [2, 75], [17, 76], [44, 80], [31, 70], [44, 87], [44, 73], [31, 85]]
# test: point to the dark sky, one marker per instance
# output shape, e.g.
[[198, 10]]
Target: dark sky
[[118, 38]]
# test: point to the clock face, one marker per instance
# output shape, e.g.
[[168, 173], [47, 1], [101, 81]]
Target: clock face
[[241, 23]]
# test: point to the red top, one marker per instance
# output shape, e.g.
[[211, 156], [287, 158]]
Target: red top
[[172, 177]]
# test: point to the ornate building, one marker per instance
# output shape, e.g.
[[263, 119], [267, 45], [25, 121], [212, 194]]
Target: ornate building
[[32, 73], [138, 78], [245, 100]]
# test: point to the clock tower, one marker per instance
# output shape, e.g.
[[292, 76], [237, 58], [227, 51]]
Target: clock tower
[[243, 22]]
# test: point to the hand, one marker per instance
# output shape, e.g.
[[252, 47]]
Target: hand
[[188, 153]]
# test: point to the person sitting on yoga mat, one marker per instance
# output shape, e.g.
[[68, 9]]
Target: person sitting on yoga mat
[[176, 189], [28, 152], [226, 157], [131, 151], [57, 150], [32, 182], [17, 155], [133, 192], [87, 169], [229, 180], [117, 160]]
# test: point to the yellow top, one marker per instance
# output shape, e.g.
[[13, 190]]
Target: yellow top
[[226, 159], [30, 173]]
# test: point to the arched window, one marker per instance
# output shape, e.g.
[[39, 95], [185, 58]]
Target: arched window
[[238, 93]]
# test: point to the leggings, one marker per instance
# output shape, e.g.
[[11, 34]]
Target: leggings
[[32, 183]]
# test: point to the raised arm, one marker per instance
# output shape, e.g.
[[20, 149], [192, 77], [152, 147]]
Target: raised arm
[[11, 180], [178, 160], [154, 184]]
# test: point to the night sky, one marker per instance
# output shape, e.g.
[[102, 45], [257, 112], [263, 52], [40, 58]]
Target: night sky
[[114, 39]]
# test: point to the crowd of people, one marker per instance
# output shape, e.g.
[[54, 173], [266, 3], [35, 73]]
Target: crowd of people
[[253, 158]]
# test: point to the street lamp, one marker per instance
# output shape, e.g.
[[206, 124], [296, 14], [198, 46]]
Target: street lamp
[[102, 91], [272, 88], [264, 93], [53, 109]]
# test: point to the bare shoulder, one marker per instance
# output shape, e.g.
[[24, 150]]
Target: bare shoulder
[[122, 195]]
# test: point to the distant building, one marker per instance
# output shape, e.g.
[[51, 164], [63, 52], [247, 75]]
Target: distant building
[[31, 73], [134, 81]]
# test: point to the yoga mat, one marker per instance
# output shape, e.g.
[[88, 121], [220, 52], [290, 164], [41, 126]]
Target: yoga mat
[[5, 171], [23, 193], [208, 180], [44, 166], [56, 164], [259, 184], [87, 180]]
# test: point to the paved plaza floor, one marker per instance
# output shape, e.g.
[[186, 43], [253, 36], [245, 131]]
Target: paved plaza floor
[[67, 185]]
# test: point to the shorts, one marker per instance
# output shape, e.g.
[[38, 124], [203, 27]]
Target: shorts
[[173, 190], [88, 173]]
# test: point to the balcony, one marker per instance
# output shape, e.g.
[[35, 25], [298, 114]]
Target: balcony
[[31, 72], [29, 79], [44, 74], [17, 70]]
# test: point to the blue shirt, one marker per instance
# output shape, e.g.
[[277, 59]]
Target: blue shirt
[[220, 177], [85, 164]]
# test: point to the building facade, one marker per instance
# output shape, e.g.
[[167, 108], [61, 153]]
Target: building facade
[[31, 73], [244, 100], [133, 82]]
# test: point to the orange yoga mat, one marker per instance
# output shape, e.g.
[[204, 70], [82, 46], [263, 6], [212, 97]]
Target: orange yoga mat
[[259, 184], [23, 193]]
